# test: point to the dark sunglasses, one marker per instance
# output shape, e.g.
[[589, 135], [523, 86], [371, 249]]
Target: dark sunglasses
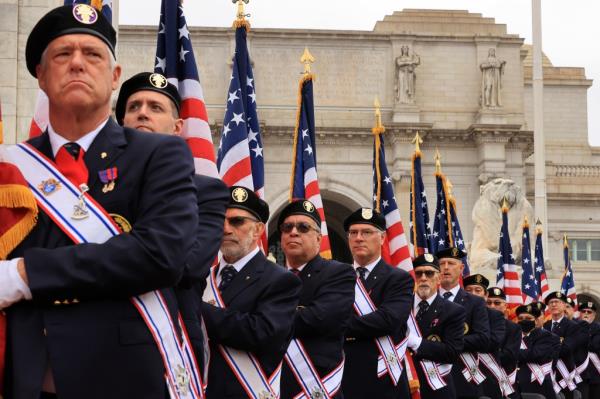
[[586, 311], [237, 221], [427, 273], [301, 227]]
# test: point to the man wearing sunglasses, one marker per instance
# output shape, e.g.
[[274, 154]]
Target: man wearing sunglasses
[[389, 291], [324, 309], [476, 328], [440, 323], [249, 304], [591, 376], [509, 348]]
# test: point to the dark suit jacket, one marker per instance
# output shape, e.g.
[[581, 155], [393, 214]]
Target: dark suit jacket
[[99, 346], [443, 340], [509, 350], [322, 317], [391, 290], [497, 335], [477, 339], [542, 347], [591, 373], [261, 302], [568, 331]]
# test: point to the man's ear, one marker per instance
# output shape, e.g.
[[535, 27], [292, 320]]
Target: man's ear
[[178, 127]]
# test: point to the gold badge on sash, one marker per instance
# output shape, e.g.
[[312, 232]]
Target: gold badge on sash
[[80, 209], [121, 222]]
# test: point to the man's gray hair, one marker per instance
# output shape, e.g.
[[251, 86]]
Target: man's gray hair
[[111, 59]]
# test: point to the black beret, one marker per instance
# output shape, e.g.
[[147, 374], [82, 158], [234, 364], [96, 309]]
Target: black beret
[[529, 309], [145, 81], [300, 207], [556, 295], [454, 253], [65, 20], [476, 279], [244, 198], [570, 302], [587, 305], [495, 292], [426, 260], [365, 216]]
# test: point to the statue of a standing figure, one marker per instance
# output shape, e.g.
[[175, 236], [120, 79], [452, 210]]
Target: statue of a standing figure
[[491, 82], [406, 77]]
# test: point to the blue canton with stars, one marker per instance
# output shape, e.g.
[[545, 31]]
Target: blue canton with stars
[[530, 286], [538, 262], [306, 150], [505, 255], [459, 242], [439, 236], [419, 212], [387, 199]]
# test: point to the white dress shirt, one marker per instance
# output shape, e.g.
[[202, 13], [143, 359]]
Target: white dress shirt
[[237, 265], [369, 267], [454, 291]]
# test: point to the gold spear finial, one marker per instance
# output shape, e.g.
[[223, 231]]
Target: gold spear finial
[[378, 128], [538, 226], [525, 221], [438, 162], [565, 241], [241, 15], [505, 206], [417, 141], [307, 59]]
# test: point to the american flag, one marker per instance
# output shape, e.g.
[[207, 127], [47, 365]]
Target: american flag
[[175, 59], [39, 121], [441, 236], [507, 276], [567, 285], [529, 283], [540, 268], [419, 213], [305, 182], [457, 236], [396, 250]]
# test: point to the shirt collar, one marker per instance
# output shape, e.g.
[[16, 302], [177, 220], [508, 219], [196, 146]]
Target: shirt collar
[[369, 267], [299, 268], [57, 141], [240, 263], [558, 321], [418, 300], [454, 291]]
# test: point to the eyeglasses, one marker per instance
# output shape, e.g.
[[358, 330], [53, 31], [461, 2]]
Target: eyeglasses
[[237, 221], [364, 233], [301, 227], [586, 311], [427, 273], [495, 303]]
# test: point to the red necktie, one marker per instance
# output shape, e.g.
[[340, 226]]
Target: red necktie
[[69, 161]]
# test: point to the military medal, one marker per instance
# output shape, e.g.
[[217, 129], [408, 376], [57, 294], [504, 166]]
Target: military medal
[[49, 186], [108, 177], [80, 209]]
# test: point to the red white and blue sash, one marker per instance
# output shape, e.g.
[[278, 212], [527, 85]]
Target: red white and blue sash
[[244, 365], [388, 351], [181, 371], [498, 372]]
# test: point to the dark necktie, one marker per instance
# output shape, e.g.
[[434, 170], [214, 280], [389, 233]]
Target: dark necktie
[[423, 307], [69, 161], [447, 295], [554, 326], [362, 272], [227, 275], [295, 271]]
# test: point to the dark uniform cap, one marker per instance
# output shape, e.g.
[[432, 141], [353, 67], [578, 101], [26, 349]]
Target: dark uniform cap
[[495, 292], [243, 198], [570, 302], [145, 81], [556, 295], [587, 305], [454, 253], [300, 207], [65, 20], [529, 309], [476, 279], [426, 260], [365, 216]]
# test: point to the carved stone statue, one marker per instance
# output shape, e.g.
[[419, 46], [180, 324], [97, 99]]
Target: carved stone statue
[[405, 76], [491, 81], [487, 221]]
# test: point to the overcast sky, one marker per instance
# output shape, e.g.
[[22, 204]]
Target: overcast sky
[[568, 26]]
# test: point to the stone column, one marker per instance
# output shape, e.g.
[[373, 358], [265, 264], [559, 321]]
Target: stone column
[[491, 153], [9, 14]]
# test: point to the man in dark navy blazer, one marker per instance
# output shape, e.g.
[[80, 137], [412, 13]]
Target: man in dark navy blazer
[[260, 298], [149, 103], [441, 323], [327, 293], [591, 375], [73, 331], [390, 290], [476, 328], [582, 343]]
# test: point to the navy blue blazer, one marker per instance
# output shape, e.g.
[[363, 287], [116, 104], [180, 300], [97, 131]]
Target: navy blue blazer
[[542, 347], [442, 328], [509, 350], [322, 317], [568, 331], [390, 289], [591, 374], [81, 322], [260, 304], [490, 385]]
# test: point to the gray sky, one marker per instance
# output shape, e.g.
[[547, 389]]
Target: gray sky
[[568, 26]]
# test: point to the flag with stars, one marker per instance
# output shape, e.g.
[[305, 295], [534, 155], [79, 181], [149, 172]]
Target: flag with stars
[[441, 236], [457, 236], [395, 251], [529, 282], [175, 59], [39, 121], [540, 268], [305, 181], [507, 276], [567, 285], [419, 212]]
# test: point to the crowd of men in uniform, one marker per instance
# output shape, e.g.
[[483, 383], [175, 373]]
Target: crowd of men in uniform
[[311, 328]]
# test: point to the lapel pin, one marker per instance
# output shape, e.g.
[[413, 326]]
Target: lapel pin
[[49, 186], [108, 177], [247, 277], [103, 155]]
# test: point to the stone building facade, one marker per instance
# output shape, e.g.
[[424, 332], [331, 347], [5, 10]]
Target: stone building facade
[[476, 143]]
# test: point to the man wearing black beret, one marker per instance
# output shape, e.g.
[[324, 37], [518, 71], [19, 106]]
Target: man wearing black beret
[[90, 301], [582, 343], [591, 376], [381, 308], [249, 305], [324, 309]]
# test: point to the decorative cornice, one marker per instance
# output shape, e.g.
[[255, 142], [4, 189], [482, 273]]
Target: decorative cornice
[[577, 171]]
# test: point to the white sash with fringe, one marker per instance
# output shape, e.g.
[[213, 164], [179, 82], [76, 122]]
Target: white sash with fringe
[[181, 371], [498, 372], [539, 372], [244, 365], [389, 356], [568, 377], [471, 371]]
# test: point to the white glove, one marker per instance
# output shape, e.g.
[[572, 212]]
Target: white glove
[[12, 287], [414, 342]]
